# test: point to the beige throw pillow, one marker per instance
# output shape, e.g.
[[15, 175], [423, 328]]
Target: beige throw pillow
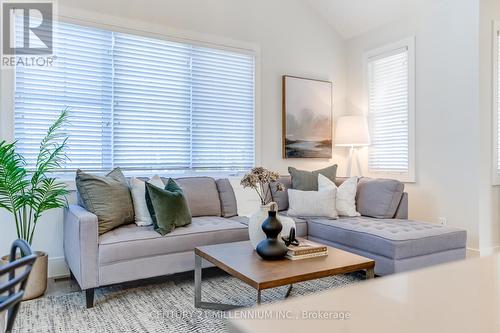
[[345, 200], [312, 203], [138, 191]]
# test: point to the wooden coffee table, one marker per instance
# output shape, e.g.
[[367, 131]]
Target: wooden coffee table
[[241, 261]]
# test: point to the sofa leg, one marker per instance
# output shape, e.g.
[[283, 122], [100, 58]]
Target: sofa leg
[[89, 296]]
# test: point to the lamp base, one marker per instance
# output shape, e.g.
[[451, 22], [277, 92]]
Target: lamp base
[[353, 154]]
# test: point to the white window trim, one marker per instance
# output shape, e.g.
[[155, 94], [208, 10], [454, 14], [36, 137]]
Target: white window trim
[[409, 43], [7, 75], [495, 130]]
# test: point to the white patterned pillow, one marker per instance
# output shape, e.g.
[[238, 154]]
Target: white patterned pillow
[[138, 191], [312, 203], [345, 201]]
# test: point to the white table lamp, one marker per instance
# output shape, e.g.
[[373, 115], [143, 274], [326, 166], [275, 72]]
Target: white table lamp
[[352, 131]]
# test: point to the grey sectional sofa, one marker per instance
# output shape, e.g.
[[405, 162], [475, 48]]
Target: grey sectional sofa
[[130, 252], [383, 231]]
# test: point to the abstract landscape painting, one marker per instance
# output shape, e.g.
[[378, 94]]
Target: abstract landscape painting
[[307, 118]]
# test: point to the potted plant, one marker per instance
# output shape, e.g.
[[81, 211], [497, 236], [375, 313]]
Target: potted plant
[[265, 183], [27, 193]]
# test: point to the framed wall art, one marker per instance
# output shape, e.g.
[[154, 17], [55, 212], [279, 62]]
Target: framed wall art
[[307, 118]]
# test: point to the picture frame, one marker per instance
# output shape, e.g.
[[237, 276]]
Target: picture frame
[[307, 118]]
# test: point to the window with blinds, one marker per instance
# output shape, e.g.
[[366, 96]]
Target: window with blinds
[[389, 111], [139, 103], [82, 81]]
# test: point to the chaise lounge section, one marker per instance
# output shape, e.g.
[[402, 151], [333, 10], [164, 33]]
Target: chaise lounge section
[[394, 242], [130, 252], [396, 245]]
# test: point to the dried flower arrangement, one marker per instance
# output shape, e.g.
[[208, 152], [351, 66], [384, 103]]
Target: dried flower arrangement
[[260, 179]]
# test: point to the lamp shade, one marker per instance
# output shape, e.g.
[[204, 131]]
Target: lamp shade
[[352, 131]]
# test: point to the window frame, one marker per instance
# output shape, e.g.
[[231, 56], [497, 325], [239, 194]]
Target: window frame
[[117, 25], [495, 96], [386, 50]]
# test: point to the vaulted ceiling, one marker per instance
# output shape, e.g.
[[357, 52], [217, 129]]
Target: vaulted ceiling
[[353, 17]]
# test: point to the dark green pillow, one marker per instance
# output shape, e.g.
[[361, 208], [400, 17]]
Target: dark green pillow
[[170, 206], [108, 197], [149, 204], [308, 180]]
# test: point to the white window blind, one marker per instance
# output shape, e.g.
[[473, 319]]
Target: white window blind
[[388, 98], [140, 103], [222, 109], [82, 81], [151, 103]]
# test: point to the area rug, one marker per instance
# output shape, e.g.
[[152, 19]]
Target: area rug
[[157, 306]]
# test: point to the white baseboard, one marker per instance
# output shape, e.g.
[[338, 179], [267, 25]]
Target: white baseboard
[[58, 267], [482, 252], [490, 250]]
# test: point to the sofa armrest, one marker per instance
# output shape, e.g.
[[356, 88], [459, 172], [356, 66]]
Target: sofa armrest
[[402, 211], [81, 245]]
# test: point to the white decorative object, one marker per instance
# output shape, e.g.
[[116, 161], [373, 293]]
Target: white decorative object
[[257, 218], [287, 223], [138, 192], [352, 132], [312, 203], [255, 225], [260, 180], [345, 201]]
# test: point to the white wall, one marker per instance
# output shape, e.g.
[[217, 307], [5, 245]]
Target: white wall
[[447, 117], [489, 196], [291, 39]]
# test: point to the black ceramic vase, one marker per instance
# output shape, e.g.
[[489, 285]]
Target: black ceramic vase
[[271, 248]]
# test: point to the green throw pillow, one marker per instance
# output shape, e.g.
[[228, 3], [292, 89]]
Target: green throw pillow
[[170, 206], [108, 197], [308, 180]]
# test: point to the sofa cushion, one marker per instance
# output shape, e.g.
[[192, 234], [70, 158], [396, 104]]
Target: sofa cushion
[[158, 182], [170, 207], [108, 197], [143, 217], [345, 200], [228, 205], [378, 197], [391, 238], [280, 197], [312, 203], [308, 180], [132, 242], [202, 195]]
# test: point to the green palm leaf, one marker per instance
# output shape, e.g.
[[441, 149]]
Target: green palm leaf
[[12, 178], [52, 148], [28, 195]]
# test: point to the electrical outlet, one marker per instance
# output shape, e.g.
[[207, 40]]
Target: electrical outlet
[[442, 220]]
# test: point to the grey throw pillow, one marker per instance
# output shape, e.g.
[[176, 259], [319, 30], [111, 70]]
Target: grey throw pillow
[[201, 194], [280, 197], [378, 198], [228, 204], [308, 180], [108, 197]]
